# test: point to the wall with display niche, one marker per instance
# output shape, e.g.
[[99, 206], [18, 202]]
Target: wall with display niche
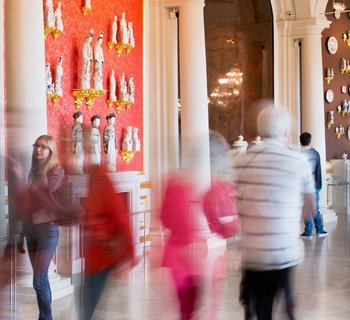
[[68, 45], [335, 48]]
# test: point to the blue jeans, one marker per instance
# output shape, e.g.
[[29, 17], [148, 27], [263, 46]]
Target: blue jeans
[[42, 241], [92, 292], [317, 219]]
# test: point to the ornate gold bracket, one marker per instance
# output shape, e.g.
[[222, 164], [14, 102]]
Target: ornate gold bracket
[[127, 156], [123, 46], [339, 131], [339, 134], [329, 123], [329, 79], [119, 104], [111, 44], [89, 94], [55, 32], [54, 97], [85, 10]]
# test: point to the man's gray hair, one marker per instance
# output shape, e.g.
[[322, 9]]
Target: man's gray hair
[[273, 122]]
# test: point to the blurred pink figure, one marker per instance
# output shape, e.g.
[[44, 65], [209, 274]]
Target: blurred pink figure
[[220, 209], [219, 203], [175, 215]]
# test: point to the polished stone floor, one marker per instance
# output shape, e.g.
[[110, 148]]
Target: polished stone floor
[[322, 288]]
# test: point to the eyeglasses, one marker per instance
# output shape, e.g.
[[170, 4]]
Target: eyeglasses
[[42, 146]]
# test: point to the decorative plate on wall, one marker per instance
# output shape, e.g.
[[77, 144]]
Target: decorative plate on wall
[[343, 89], [332, 45], [329, 95]]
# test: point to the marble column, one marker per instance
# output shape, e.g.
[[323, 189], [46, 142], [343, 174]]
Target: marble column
[[312, 99], [195, 153], [25, 76], [193, 90], [26, 108], [312, 96], [3, 191], [25, 81]]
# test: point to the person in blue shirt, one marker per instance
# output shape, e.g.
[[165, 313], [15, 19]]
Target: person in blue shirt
[[315, 162]]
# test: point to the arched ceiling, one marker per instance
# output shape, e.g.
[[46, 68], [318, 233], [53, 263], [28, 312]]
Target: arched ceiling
[[303, 9]]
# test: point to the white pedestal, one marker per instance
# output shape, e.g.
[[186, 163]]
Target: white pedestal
[[339, 185], [60, 286], [69, 253]]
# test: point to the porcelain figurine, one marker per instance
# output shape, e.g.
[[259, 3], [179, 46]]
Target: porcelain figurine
[[87, 60], [127, 140], [58, 17], [136, 144], [78, 144], [109, 143], [95, 141], [99, 60], [59, 76]]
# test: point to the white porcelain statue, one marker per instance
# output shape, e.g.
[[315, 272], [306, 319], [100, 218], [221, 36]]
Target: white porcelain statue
[[131, 34], [136, 144], [88, 4], [58, 17], [123, 30], [127, 140], [123, 89], [99, 60], [109, 143], [95, 141], [131, 87], [49, 14], [87, 60], [78, 144], [112, 87], [114, 30], [58, 77], [50, 88]]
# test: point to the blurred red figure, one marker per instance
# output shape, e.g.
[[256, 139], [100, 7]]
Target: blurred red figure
[[107, 237], [175, 215]]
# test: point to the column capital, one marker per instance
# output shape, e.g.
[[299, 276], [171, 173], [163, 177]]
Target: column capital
[[182, 3], [303, 28]]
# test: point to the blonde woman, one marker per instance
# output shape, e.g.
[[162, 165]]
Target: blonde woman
[[44, 185]]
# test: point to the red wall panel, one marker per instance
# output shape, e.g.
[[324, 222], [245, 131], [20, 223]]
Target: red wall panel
[[69, 46]]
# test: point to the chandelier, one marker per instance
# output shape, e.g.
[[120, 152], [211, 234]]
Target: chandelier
[[339, 5], [229, 87]]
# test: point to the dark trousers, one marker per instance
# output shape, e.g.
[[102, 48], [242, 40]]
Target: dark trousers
[[92, 291], [258, 291]]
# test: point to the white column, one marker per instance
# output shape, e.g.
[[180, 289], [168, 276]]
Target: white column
[[312, 96], [25, 79], [26, 101], [312, 101], [160, 96], [25, 75], [194, 107], [193, 89], [3, 206]]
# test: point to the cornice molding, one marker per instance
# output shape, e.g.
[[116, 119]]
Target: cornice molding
[[182, 3], [299, 28]]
